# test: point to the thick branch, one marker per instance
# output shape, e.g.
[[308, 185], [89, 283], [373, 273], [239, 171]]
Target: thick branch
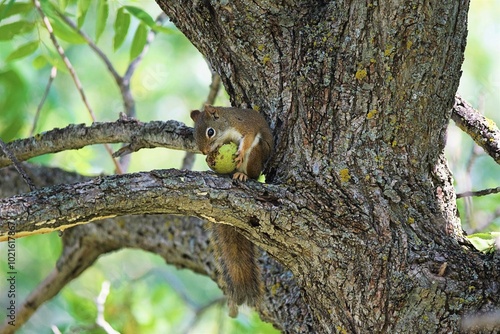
[[170, 134], [166, 191], [482, 130], [181, 241]]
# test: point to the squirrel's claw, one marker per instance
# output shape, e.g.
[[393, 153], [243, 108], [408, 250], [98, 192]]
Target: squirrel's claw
[[240, 176], [238, 159]]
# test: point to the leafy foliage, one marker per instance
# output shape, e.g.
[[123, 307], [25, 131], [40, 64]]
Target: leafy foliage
[[139, 40], [23, 51], [122, 23], [101, 18], [485, 242]]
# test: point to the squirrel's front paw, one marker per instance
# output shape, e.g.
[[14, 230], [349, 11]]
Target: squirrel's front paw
[[238, 159], [240, 176]]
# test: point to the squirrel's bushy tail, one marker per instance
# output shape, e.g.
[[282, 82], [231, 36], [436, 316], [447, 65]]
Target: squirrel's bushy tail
[[238, 267]]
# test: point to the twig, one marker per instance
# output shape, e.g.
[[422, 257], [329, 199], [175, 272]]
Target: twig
[[214, 88], [128, 99], [55, 330], [100, 301], [53, 73], [65, 59], [171, 134], [467, 184], [73, 75], [122, 82], [94, 47], [483, 192], [17, 165], [189, 157]]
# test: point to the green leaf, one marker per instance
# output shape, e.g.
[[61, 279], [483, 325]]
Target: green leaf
[[165, 30], [13, 101], [23, 51], [83, 8], [63, 4], [141, 15], [5, 8], [40, 62], [141, 34], [62, 31], [8, 31], [484, 241], [58, 63], [50, 59], [49, 9], [121, 26], [13, 8], [102, 16]]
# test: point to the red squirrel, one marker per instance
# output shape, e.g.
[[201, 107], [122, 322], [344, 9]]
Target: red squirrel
[[247, 128], [236, 255]]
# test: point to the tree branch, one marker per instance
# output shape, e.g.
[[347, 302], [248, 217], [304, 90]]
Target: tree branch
[[53, 73], [17, 164], [181, 241], [170, 134], [166, 191], [478, 193], [175, 135], [482, 130]]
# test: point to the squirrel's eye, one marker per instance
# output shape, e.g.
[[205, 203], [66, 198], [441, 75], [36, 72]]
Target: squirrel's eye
[[210, 132]]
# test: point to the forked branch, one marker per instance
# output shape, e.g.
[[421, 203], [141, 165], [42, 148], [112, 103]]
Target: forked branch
[[170, 134]]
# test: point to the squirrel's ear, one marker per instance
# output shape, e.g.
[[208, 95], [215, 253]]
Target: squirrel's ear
[[212, 111], [195, 114]]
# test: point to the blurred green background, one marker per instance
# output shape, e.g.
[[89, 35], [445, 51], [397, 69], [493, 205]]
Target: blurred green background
[[480, 86], [147, 296]]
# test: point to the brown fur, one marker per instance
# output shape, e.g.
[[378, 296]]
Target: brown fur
[[238, 266], [248, 124], [236, 256]]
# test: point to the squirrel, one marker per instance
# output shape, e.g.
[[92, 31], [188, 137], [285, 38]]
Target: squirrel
[[236, 255], [246, 127]]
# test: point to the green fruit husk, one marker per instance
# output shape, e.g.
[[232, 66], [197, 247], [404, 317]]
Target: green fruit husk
[[221, 160]]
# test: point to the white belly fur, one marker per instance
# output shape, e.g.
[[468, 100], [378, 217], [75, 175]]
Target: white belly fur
[[243, 167]]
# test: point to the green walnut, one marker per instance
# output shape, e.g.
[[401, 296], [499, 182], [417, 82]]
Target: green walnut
[[221, 160]]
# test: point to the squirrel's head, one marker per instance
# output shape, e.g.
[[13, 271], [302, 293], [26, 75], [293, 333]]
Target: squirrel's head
[[206, 128]]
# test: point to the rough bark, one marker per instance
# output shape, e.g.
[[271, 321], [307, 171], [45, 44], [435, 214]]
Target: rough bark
[[359, 96], [181, 241], [171, 134]]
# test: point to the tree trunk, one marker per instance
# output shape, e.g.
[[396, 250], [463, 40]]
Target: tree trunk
[[359, 96]]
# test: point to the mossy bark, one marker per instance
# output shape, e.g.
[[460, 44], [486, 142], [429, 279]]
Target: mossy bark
[[359, 96]]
